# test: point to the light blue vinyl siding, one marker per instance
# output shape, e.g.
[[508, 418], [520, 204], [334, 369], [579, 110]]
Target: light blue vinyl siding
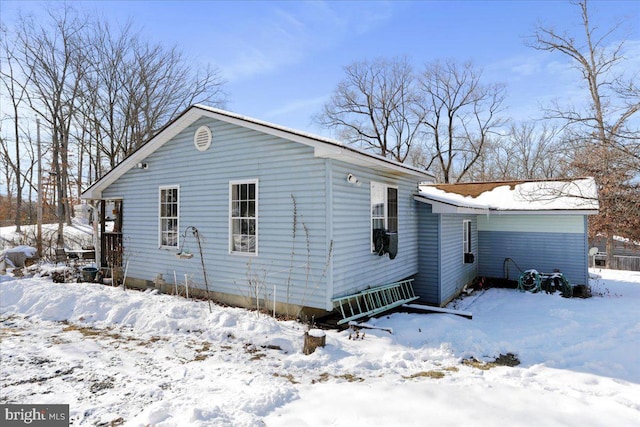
[[331, 213], [283, 168], [454, 272], [532, 223], [541, 242], [427, 281], [443, 272], [354, 266], [544, 252]]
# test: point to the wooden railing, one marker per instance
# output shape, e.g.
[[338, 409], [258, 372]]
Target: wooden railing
[[111, 250]]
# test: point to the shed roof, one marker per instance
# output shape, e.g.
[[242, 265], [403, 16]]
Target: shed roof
[[557, 196], [323, 147]]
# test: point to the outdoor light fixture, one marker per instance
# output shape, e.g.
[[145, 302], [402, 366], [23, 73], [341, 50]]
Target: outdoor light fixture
[[351, 179], [142, 165]]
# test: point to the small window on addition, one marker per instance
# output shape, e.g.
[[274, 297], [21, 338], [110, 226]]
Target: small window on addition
[[467, 255]]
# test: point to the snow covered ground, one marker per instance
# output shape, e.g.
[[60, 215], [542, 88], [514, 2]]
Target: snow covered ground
[[79, 234], [141, 358]]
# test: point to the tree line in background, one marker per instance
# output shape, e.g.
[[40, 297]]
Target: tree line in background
[[445, 119], [101, 92], [98, 92]]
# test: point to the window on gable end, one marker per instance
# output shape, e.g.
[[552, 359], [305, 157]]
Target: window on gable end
[[467, 255], [168, 217]]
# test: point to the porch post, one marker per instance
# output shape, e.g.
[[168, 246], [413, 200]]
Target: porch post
[[96, 235], [103, 204]]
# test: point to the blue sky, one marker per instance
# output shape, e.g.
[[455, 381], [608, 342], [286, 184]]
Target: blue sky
[[282, 60]]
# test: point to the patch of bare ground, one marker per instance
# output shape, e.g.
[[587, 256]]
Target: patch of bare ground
[[289, 377], [508, 359], [95, 333], [203, 352], [324, 377], [436, 375]]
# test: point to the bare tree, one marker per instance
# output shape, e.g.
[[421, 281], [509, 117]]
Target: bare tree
[[133, 89], [101, 92], [461, 114], [14, 83], [53, 56], [377, 107], [527, 150], [605, 140]]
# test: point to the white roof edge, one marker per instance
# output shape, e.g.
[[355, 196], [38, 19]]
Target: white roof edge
[[164, 135], [339, 151], [471, 208], [446, 206], [431, 197], [544, 212], [193, 113]]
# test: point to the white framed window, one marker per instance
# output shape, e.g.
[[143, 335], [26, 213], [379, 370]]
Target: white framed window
[[243, 217], [168, 216], [466, 236], [384, 211]]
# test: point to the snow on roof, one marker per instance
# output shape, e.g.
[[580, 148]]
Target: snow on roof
[[552, 195]]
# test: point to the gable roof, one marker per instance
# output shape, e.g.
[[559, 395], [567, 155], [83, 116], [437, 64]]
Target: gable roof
[[571, 196], [323, 147]]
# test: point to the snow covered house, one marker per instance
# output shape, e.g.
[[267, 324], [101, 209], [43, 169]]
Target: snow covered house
[[296, 221]]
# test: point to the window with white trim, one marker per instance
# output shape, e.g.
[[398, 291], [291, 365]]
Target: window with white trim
[[243, 217], [384, 210], [168, 216], [466, 236]]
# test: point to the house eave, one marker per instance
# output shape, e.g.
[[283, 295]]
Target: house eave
[[545, 212], [323, 147], [94, 192], [448, 207]]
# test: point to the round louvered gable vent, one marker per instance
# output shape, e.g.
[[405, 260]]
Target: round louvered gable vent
[[202, 138]]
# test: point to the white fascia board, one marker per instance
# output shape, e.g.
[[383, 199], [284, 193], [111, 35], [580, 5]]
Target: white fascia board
[[443, 207], [544, 212], [95, 191], [323, 147], [358, 159], [450, 207]]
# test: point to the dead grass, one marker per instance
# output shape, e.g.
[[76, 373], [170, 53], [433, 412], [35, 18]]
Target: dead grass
[[10, 329], [350, 378], [289, 377], [508, 359], [95, 333], [203, 352], [324, 377], [436, 375]]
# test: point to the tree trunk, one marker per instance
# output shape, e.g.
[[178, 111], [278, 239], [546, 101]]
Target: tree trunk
[[610, 250], [313, 339]]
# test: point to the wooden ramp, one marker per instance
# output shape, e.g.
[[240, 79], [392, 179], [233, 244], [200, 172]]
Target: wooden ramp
[[373, 301]]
